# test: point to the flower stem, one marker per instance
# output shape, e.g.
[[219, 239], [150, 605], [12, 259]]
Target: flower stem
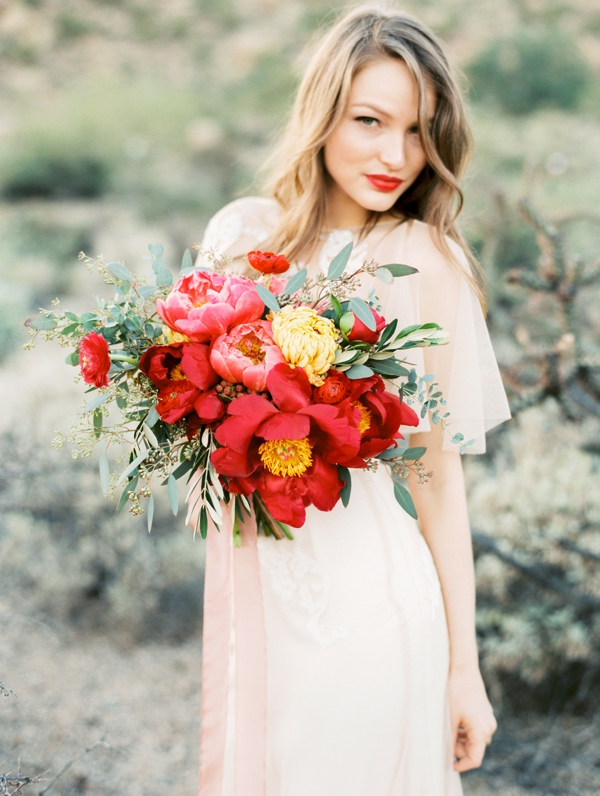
[[124, 358], [237, 534]]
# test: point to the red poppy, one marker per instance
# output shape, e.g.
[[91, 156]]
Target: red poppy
[[292, 443], [268, 263], [94, 359], [381, 415]]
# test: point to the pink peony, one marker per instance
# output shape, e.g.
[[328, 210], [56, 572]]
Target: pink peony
[[203, 305], [246, 354]]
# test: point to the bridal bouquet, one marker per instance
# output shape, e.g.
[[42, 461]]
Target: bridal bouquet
[[263, 393]]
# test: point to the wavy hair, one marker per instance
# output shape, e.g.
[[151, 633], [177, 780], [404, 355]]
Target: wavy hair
[[298, 175]]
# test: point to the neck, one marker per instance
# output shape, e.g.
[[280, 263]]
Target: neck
[[342, 211]]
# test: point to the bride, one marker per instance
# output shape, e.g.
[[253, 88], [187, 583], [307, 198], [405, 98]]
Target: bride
[[344, 662]]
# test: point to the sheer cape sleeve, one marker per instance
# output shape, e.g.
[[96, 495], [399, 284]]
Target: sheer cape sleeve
[[239, 227], [466, 368]]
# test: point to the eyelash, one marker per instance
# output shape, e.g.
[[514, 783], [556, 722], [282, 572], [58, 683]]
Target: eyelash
[[364, 119]]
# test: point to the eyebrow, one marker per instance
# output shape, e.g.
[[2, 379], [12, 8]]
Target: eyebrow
[[379, 110]]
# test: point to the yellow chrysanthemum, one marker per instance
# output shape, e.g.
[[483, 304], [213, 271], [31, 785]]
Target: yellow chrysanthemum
[[286, 456], [169, 337], [306, 340]]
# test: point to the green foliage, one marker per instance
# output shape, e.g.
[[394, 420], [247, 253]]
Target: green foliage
[[70, 25], [54, 175], [531, 70]]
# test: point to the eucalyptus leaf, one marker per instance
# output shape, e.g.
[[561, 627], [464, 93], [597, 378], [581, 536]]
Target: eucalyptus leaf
[[41, 322], [385, 275], [404, 498], [388, 367], [72, 358], [400, 270], [126, 492], [295, 282], [345, 355], [363, 312], [97, 422], [97, 401], [120, 271], [150, 436], [338, 265], [132, 466], [146, 291], [412, 454], [337, 307], [186, 262], [203, 523], [164, 277], [173, 494], [359, 372], [390, 453], [152, 417], [388, 332], [150, 512], [104, 471], [71, 316], [344, 475], [267, 297], [156, 249], [70, 329]]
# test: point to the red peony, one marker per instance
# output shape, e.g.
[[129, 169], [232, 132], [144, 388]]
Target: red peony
[[361, 332], [159, 361], [94, 360], [381, 415], [176, 400], [334, 389], [268, 263], [165, 363], [291, 444]]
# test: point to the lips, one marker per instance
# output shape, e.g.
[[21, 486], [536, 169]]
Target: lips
[[383, 182]]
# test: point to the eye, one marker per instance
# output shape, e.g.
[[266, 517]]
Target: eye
[[414, 130], [368, 121]]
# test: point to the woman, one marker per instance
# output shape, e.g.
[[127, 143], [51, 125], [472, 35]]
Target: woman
[[372, 680]]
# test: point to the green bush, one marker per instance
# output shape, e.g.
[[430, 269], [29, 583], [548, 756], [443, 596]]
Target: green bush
[[50, 175], [529, 71]]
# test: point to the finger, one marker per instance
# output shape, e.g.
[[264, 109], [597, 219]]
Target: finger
[[473, 752]]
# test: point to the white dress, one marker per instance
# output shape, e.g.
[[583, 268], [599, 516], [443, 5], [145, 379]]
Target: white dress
[[356, 635]]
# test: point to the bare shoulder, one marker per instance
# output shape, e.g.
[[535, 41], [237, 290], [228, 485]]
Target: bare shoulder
[[249, 210]]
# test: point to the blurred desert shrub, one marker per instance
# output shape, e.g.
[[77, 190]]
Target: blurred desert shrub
[[538, 498], [531, 70], [56, 175], [78, 564]]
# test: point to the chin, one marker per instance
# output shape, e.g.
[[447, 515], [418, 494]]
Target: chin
[[378, 203]]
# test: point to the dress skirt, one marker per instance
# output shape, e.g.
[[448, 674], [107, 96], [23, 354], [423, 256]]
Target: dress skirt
[[356, 656]]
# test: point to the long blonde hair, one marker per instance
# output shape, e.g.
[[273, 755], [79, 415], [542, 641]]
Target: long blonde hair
[[298, 174]]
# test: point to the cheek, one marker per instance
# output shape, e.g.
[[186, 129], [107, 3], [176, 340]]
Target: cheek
[[345, 147]]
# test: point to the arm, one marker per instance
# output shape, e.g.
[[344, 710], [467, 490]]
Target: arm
[[442, 509]]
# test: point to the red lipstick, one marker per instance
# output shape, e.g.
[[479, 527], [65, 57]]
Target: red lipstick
[[384, 182]]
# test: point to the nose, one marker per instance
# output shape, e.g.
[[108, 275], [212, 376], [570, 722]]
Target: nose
[[393, 154]]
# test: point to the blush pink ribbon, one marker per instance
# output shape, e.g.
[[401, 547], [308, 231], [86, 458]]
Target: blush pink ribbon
[[232, 592]]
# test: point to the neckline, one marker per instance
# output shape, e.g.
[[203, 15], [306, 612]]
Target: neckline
[[359, 227]]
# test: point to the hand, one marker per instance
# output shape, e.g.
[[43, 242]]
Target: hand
[[472, 718]]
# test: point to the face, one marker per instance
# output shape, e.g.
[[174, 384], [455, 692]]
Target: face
[[375, 152]]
